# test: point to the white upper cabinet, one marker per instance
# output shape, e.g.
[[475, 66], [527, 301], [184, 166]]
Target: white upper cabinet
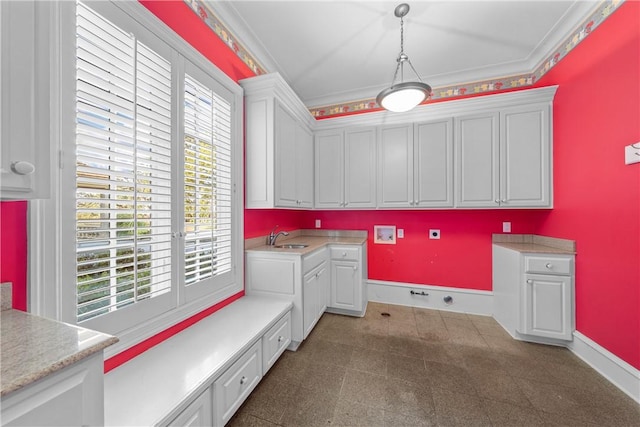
[[477, 156], [279, 145], [25, 171], [504, 158], [345, 173], [433, 164], [294, 162], [395, 166], [416, 165], [525, 156]]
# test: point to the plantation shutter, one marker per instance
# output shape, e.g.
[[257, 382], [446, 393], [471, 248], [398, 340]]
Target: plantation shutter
[[123, 168], [207, 183]]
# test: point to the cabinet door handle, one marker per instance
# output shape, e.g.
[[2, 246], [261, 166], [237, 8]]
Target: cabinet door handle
[[23, 168], [344, 254], [355, 267], [549, 265], [529, 281], [280, 338], [243, 380], [497, 201], [503, 201]]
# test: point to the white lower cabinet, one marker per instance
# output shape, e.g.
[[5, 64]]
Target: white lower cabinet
[[70, 397], [233, 387], [198, 413], [275, 342], [300, 278], [534, 294], [348, 267], [314, 289]]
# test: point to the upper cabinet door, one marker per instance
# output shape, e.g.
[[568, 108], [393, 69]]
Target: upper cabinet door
[[433, 164], [329, 169], [395, 166], [525, 173], [360, 168], [304, 167], [25, 158], [285, 157], [477, 157]]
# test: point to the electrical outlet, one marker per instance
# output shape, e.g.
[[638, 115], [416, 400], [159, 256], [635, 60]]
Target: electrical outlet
[[632, 153], [318, 223], [434, 233], [506, 227], [400, 233]]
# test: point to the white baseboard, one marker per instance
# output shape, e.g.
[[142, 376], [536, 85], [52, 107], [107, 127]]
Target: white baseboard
[[617, 371], [463, 300]]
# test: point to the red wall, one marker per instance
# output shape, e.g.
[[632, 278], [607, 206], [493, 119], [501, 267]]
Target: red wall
[[13, 250], [597, 196], [461, 258]]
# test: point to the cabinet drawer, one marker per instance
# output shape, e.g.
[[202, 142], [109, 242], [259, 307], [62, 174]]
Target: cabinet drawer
[[233, 387], [351, 254], [547, 265], [275, 341], [314, 259]]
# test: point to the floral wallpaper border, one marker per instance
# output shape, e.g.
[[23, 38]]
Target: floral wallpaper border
[[601, 13]]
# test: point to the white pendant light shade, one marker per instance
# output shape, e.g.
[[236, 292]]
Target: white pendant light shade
[[403, 96]]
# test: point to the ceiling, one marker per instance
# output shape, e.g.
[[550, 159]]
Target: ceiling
[[339, 51]]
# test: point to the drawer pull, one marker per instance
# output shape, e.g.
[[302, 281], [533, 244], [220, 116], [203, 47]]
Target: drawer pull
[[280, 338], [344, 254], [355, 267], [549, 265], [243, 380], [529, 281]]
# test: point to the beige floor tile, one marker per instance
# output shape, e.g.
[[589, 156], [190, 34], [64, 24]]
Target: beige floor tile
[[309, 408], [364, 388], [348, 413], [406, 368], [409, 398], [369, 360], [455, 370], [504, 414], [400, 313], [458, 409]]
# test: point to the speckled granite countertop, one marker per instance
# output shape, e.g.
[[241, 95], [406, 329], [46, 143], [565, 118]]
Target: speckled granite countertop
[[532, 243], [32, 347], [315, 239]]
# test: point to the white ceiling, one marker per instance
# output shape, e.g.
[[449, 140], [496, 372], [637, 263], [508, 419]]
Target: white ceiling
[[338, 51]]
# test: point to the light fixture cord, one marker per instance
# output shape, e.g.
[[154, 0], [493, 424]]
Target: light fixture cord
[[402, 57]]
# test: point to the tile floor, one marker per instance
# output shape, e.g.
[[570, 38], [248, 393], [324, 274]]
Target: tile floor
[[421, 367]]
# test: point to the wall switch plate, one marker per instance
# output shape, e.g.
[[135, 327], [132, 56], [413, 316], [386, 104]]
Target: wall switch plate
[[318, 223], [632, 153], [434, 233], [506, 227], [400, 233]]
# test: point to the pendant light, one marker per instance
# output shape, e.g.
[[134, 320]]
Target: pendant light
[[403, 96]]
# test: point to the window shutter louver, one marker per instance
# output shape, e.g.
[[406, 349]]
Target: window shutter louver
[[123, 168], [207, 183]]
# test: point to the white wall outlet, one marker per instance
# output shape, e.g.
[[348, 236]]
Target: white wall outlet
[[632, 153], [434, 233], [400, 233], [318, 223], [506, 227]]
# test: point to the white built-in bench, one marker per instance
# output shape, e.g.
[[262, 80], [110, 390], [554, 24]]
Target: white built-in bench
[[203, 373]]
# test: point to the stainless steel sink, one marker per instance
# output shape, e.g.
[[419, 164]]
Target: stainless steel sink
[[300, 246]]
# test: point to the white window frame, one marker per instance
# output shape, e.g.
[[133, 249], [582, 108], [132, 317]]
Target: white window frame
[[52, 293]]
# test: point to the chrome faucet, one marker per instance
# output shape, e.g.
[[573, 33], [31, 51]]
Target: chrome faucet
[[271, 240]]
